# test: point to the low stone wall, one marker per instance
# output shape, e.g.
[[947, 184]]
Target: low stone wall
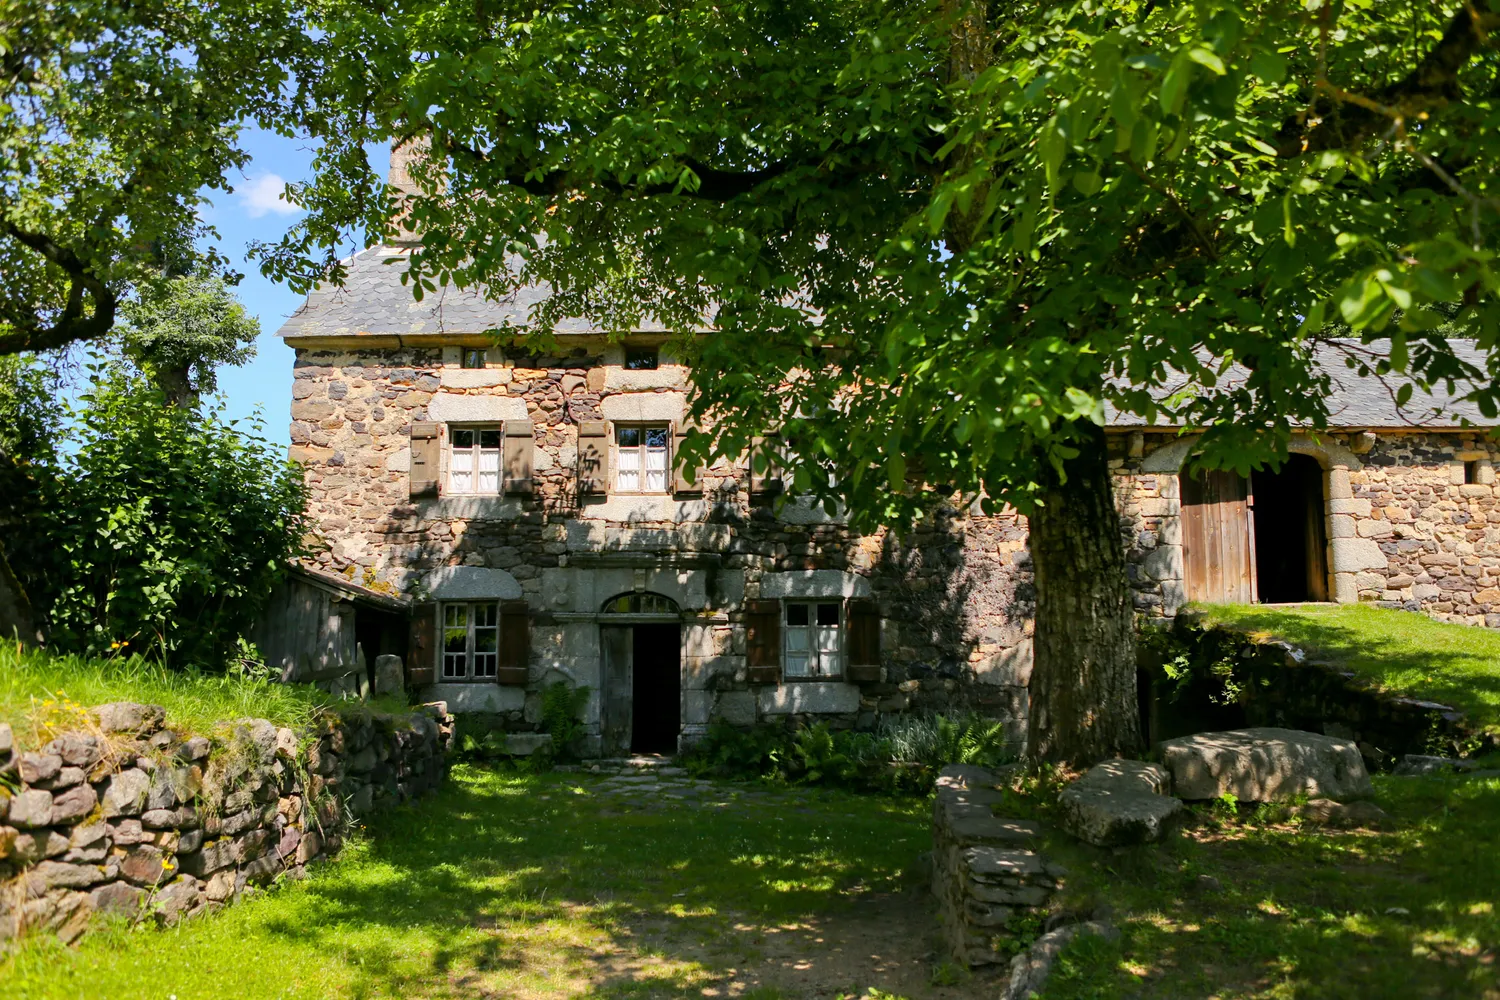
[[992, 885], [124, 816]]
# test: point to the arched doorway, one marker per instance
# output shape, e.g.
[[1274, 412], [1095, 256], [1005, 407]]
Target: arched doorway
[[640, 638], [1262, 539]]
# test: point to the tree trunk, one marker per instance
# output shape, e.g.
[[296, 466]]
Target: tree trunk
[[1083, 685], [17, 621]]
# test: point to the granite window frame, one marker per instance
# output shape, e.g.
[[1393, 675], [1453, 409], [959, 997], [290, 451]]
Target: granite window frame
[[477, 452], [472, 625], [644, 452], [824, 655]]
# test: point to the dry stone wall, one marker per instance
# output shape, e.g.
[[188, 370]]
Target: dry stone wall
[[124, 816], [991, 882]]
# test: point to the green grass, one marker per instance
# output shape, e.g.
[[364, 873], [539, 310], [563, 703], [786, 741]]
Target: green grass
[[39, 691], [506, 885], [1302, 914], [1401, 651]]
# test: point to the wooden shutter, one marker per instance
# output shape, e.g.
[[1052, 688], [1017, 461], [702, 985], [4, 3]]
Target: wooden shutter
[[515, 643], [422, 479], [593, 456], [863, 644], [421, 648], [763, 641], [520, 446], [680, 484], [765, 467]]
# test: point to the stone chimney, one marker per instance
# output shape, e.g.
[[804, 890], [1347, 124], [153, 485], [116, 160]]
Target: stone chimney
[[399, 177]]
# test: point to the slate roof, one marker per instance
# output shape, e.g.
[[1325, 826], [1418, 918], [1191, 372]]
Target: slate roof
[[374, 302]]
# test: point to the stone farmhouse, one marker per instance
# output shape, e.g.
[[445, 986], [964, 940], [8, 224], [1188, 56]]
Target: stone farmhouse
[[503, 521]]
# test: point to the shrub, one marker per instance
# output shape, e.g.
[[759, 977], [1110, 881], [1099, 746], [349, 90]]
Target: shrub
[[162, 530]]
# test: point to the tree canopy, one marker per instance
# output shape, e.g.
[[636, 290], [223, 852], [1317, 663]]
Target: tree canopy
[[113, 117], [969, 228]]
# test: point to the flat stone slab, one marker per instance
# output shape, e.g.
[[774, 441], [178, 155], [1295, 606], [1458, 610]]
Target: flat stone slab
[[1128, 776], [1004, 862], [1107, 817], [1266, 765]]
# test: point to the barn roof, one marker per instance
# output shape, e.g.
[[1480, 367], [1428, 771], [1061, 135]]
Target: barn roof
[[373, 302]]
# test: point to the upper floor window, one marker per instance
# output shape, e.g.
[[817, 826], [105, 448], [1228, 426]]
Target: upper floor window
[[641, 453], [473, 357], [474, 460], [641, 358], [813, 638], [471, 640]]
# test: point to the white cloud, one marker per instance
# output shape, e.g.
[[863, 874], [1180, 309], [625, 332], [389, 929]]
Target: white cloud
[[264, 194]]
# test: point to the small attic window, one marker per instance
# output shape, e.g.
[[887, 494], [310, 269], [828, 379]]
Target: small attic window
[[640, 358], [473, 357]]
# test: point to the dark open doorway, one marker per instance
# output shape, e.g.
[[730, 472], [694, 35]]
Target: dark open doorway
[[1291, 542], [656, 693]]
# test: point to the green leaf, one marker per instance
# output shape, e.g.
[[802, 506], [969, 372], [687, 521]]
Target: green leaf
[[1143, 142], [1052, 147], [1174, 84], [1314, 320], [1206, 57], [1088, 183]]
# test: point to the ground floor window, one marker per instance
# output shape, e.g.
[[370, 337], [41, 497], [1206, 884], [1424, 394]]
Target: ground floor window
[[813, 639], [471, 640]]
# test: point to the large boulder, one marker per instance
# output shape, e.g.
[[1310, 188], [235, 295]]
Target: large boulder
[[1266, 765], [1119, 802]]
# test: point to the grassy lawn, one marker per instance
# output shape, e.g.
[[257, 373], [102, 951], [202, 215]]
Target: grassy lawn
[[565, 885], [1239, 909], [505, 885], [39, 691], [1402, 651]]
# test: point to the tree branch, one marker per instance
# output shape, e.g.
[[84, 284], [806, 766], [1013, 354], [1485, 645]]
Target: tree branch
[[75, 322], [1354, 118], [714, 184]]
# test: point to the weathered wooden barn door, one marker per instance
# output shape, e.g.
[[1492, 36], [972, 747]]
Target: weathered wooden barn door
[[617, 643], [1218, 537]]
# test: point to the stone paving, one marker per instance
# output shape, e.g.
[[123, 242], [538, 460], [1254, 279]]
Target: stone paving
[[654, 784]]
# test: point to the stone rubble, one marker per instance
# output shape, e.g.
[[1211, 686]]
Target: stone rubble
[[153, 826]]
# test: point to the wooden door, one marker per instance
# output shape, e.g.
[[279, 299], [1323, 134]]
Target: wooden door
[[616, 644], [1218, 538]]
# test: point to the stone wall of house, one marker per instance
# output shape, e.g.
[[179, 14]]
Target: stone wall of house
[[955, 593], [123, 816]]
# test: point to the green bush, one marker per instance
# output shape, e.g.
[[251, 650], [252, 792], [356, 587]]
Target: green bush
[[161, 530], [903, 754]]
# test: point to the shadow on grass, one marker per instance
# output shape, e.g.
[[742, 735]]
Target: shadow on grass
[[1241, 910], [524, 887]]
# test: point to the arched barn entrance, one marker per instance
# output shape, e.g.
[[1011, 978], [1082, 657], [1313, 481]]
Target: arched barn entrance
[[640, 636], [1259, 539]]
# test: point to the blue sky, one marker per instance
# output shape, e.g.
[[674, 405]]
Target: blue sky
[[255, 211]]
